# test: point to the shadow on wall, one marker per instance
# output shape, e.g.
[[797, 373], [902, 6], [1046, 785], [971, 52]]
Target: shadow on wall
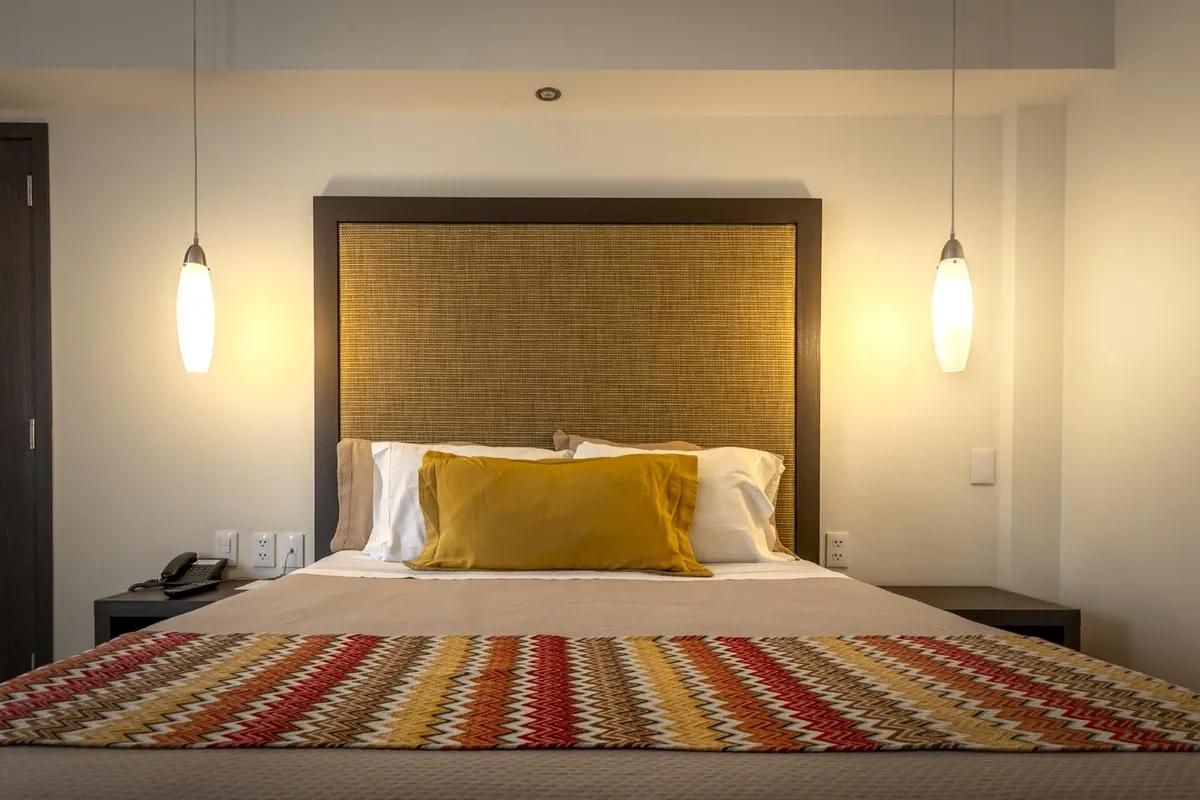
[[1106, 637], [374, 186]]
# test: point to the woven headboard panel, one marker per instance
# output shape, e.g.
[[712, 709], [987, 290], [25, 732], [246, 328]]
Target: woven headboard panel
[[499, 332]]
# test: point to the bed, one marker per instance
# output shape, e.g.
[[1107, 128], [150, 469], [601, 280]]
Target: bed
[[335, 596], [498, 321]]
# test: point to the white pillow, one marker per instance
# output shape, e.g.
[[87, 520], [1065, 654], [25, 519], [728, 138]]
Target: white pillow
[[398, 526], [734, 503]]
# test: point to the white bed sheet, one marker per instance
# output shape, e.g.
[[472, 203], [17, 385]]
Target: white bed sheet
[[355, 564]]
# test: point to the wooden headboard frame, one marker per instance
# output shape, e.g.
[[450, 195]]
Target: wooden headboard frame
[[803, 214]]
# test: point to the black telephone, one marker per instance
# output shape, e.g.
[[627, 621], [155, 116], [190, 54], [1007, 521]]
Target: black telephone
[[183, 569]]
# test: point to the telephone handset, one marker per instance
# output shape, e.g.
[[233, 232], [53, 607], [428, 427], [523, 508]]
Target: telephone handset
[[183, 569]]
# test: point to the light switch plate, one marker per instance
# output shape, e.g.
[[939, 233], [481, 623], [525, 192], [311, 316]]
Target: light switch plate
[[983, 466], [289, 541], [263, 554], [225, 545]]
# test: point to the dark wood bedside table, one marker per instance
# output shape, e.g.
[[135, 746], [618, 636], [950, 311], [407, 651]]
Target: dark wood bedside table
[[131, 611], [1001, 609]]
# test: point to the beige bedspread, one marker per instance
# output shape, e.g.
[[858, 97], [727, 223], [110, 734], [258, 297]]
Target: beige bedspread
[[396, 607], [321, 604]]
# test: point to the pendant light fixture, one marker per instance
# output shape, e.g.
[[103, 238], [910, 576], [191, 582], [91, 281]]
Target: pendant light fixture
[[953, 303], [194, 309]]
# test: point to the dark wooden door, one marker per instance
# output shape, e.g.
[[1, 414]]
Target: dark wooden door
[[25, 593]]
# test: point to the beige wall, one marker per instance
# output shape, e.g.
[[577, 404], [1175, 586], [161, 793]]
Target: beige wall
[[150, 460], [1131, 385], [1029, 459]]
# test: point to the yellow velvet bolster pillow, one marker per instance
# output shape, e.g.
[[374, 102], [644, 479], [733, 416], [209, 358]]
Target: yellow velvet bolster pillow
[[625, 513]]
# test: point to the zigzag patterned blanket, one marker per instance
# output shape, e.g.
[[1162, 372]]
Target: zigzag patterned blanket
[[854, 693]]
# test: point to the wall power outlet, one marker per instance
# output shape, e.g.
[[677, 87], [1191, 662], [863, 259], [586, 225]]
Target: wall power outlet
[[264, 549], [837, 549], [289, 551]]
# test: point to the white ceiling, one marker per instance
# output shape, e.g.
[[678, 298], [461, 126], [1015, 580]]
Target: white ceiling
[[556, 34], [597, 92], [610, 57]]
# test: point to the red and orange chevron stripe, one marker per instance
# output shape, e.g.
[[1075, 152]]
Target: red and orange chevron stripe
[[999, 693]]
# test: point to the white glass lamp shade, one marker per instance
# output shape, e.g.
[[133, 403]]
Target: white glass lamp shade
[[953, 314], [195, 313]]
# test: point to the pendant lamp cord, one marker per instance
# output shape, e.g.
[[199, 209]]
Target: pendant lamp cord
[[953, 100], [195, 142]]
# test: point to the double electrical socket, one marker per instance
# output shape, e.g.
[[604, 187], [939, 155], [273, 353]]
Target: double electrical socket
[[264, 549], [837, 549]]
